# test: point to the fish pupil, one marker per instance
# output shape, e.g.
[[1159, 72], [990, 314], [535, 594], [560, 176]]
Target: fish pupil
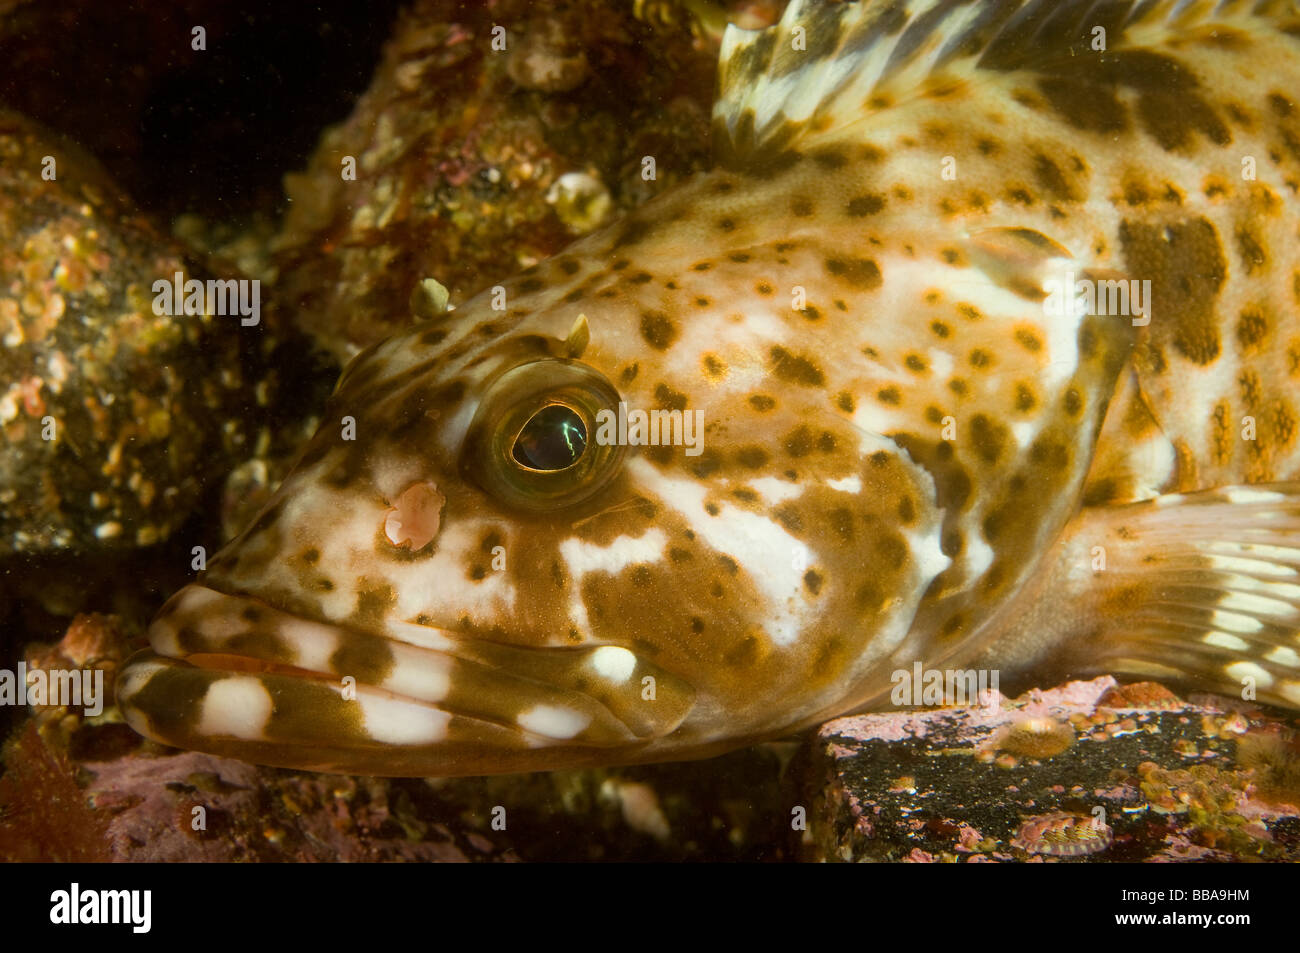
[[554, 438]]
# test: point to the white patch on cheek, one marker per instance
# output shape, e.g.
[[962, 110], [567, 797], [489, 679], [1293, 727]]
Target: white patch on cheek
[[979, 554], [775, 491], [415, 516], [238, 707], [624, 551], [582, 558], [848, 484], [553, 721], [767, 553], [614, 663]]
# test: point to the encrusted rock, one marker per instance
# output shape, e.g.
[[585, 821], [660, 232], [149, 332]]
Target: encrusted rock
[[111, 415], [445, 166], [1150, 777]]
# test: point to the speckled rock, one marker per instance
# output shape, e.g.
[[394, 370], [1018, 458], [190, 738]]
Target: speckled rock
[[110, 415], [457, 146], [113, 416], [1146, 776]]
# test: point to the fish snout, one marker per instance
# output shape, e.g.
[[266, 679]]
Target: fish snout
[[232, 675]]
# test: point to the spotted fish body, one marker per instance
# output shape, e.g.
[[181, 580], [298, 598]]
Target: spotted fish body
[[905, 457]]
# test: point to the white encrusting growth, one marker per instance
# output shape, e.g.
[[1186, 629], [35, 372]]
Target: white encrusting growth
[[238, 706], [553, 721]]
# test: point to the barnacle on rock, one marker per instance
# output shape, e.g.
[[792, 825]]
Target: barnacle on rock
[[1035, 737]]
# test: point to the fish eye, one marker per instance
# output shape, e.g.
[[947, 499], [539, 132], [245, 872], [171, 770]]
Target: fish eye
[[532, 443], [554, 438]]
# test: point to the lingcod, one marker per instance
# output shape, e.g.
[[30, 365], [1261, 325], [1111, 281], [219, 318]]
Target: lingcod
[[986, 320]]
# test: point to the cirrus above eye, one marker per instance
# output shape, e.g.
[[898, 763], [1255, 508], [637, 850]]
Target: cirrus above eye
[[554, 438]]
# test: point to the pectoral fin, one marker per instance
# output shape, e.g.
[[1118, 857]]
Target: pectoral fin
[[1200, 587]]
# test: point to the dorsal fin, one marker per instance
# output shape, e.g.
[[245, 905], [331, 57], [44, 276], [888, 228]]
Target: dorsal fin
[[827, 65]]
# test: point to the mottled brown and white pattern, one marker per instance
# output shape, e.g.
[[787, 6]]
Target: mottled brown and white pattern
[[904, 456]]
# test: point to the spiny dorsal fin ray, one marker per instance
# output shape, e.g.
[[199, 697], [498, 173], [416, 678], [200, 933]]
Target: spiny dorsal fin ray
[[826, 66]]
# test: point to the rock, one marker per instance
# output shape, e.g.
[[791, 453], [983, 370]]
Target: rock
[[112, 414], [446, 164], [1147, 777]]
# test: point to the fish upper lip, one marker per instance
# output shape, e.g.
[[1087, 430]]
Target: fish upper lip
[[235, 632]]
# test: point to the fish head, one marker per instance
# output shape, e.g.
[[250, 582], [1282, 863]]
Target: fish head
[[565, 533]]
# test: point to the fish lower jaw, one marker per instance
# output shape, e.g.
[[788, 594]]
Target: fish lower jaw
[[231, 675]]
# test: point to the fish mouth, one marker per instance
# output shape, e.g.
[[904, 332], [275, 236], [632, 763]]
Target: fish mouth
[[232, 675]]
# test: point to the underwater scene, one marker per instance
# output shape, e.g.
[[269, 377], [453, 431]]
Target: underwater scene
[[650, 430]]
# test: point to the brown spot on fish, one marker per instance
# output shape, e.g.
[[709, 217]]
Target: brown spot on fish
[[1250, 249], [864, 205], [859, 272], [799, 442], [1252, 328], [658, 330], [1053, 180], [1029, 339], [1085, 104], [1186, 267], [795, 369], [989, 438]]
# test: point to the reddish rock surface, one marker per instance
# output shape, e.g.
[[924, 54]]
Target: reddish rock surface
[[1148, 777]]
